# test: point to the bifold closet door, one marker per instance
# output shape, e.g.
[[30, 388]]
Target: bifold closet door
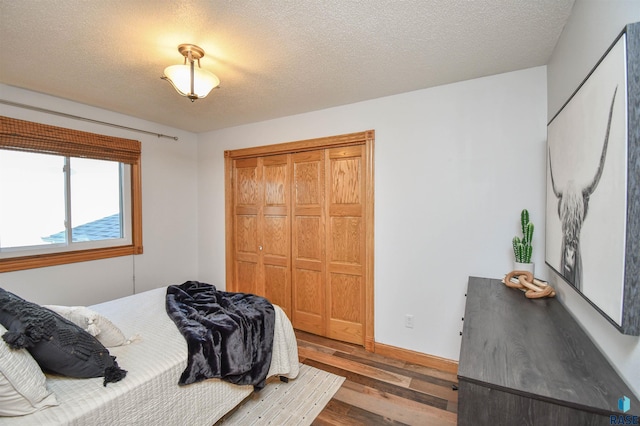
[[328, 243], [262, 243], [308, 242], [246, 210], [345, 243], [276, 231]]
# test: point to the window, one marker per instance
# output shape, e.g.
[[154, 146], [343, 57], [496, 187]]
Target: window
[[66, 196]]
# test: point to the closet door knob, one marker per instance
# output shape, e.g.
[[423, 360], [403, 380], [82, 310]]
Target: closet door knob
[[260, 248]]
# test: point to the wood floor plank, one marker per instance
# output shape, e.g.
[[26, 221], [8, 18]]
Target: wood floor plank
[[341, 413], [398, 370], [444, 375], [379, 390], [444, 392], [347, 348], [323, 341], [356, 367], [422, 382], [418, 414], [316, 347], [383, 386], [376, 396], [330, 418]]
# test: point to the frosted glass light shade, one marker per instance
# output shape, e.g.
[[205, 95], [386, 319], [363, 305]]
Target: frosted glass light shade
[[180, 77]]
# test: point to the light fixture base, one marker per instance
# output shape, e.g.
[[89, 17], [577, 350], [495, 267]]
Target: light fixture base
[[196, 52]]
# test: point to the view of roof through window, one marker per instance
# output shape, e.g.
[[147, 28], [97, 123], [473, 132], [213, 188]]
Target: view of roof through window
[[106, 228]]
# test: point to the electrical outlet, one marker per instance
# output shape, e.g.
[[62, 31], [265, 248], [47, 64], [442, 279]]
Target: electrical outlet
[[408, 321]]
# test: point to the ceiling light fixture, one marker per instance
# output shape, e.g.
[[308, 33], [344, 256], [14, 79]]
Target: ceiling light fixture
[[189, 81]]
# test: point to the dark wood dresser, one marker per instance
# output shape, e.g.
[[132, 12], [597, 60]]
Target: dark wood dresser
[[528, 362]]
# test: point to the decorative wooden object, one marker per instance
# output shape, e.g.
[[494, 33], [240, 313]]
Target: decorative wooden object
[[533, 288], [529, 362]]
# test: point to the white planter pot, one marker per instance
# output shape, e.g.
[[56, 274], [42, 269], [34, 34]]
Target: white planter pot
[[529, 267]]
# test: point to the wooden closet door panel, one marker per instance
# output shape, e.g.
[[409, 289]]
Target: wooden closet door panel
[[276, 286], [246, 225], [308, 314], [345, 241], [308, 249], [346, 310], [247, 277], [275, 241]]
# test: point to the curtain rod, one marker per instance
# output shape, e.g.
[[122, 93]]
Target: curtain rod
[[75, 117]]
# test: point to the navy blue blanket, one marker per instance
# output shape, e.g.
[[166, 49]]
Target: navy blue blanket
[[229, 335]]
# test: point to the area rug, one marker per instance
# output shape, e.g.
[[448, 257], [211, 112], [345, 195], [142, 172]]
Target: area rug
[[295, 403]]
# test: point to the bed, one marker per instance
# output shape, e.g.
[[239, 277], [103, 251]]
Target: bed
[[149, 394]]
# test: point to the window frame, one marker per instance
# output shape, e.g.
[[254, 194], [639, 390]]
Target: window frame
[[34, 137]]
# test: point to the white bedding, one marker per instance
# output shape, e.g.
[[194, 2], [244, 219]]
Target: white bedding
[[150, 394]]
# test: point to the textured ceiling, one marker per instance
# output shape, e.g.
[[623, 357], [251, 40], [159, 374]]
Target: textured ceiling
[[274, 58]]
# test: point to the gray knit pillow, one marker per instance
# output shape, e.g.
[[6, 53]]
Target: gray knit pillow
[[58, 345]]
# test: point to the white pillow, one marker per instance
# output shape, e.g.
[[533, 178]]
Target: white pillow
[[23, 388], [93, 323]]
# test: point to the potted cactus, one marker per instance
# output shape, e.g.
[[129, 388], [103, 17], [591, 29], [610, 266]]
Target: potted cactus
[[522, 248]]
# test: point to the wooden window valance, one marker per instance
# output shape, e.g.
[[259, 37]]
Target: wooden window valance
[[20, 135]]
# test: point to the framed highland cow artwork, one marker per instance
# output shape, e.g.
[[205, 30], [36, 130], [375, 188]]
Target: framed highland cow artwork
[[593, 186]]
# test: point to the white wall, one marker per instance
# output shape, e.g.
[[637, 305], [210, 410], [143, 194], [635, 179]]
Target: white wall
[[454, 165], [591, 29], [169, 212]]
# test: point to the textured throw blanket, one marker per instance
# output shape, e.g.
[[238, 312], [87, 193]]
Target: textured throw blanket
[[229, 335]]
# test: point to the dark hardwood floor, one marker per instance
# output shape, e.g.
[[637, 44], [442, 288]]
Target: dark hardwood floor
[[379, 390]]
